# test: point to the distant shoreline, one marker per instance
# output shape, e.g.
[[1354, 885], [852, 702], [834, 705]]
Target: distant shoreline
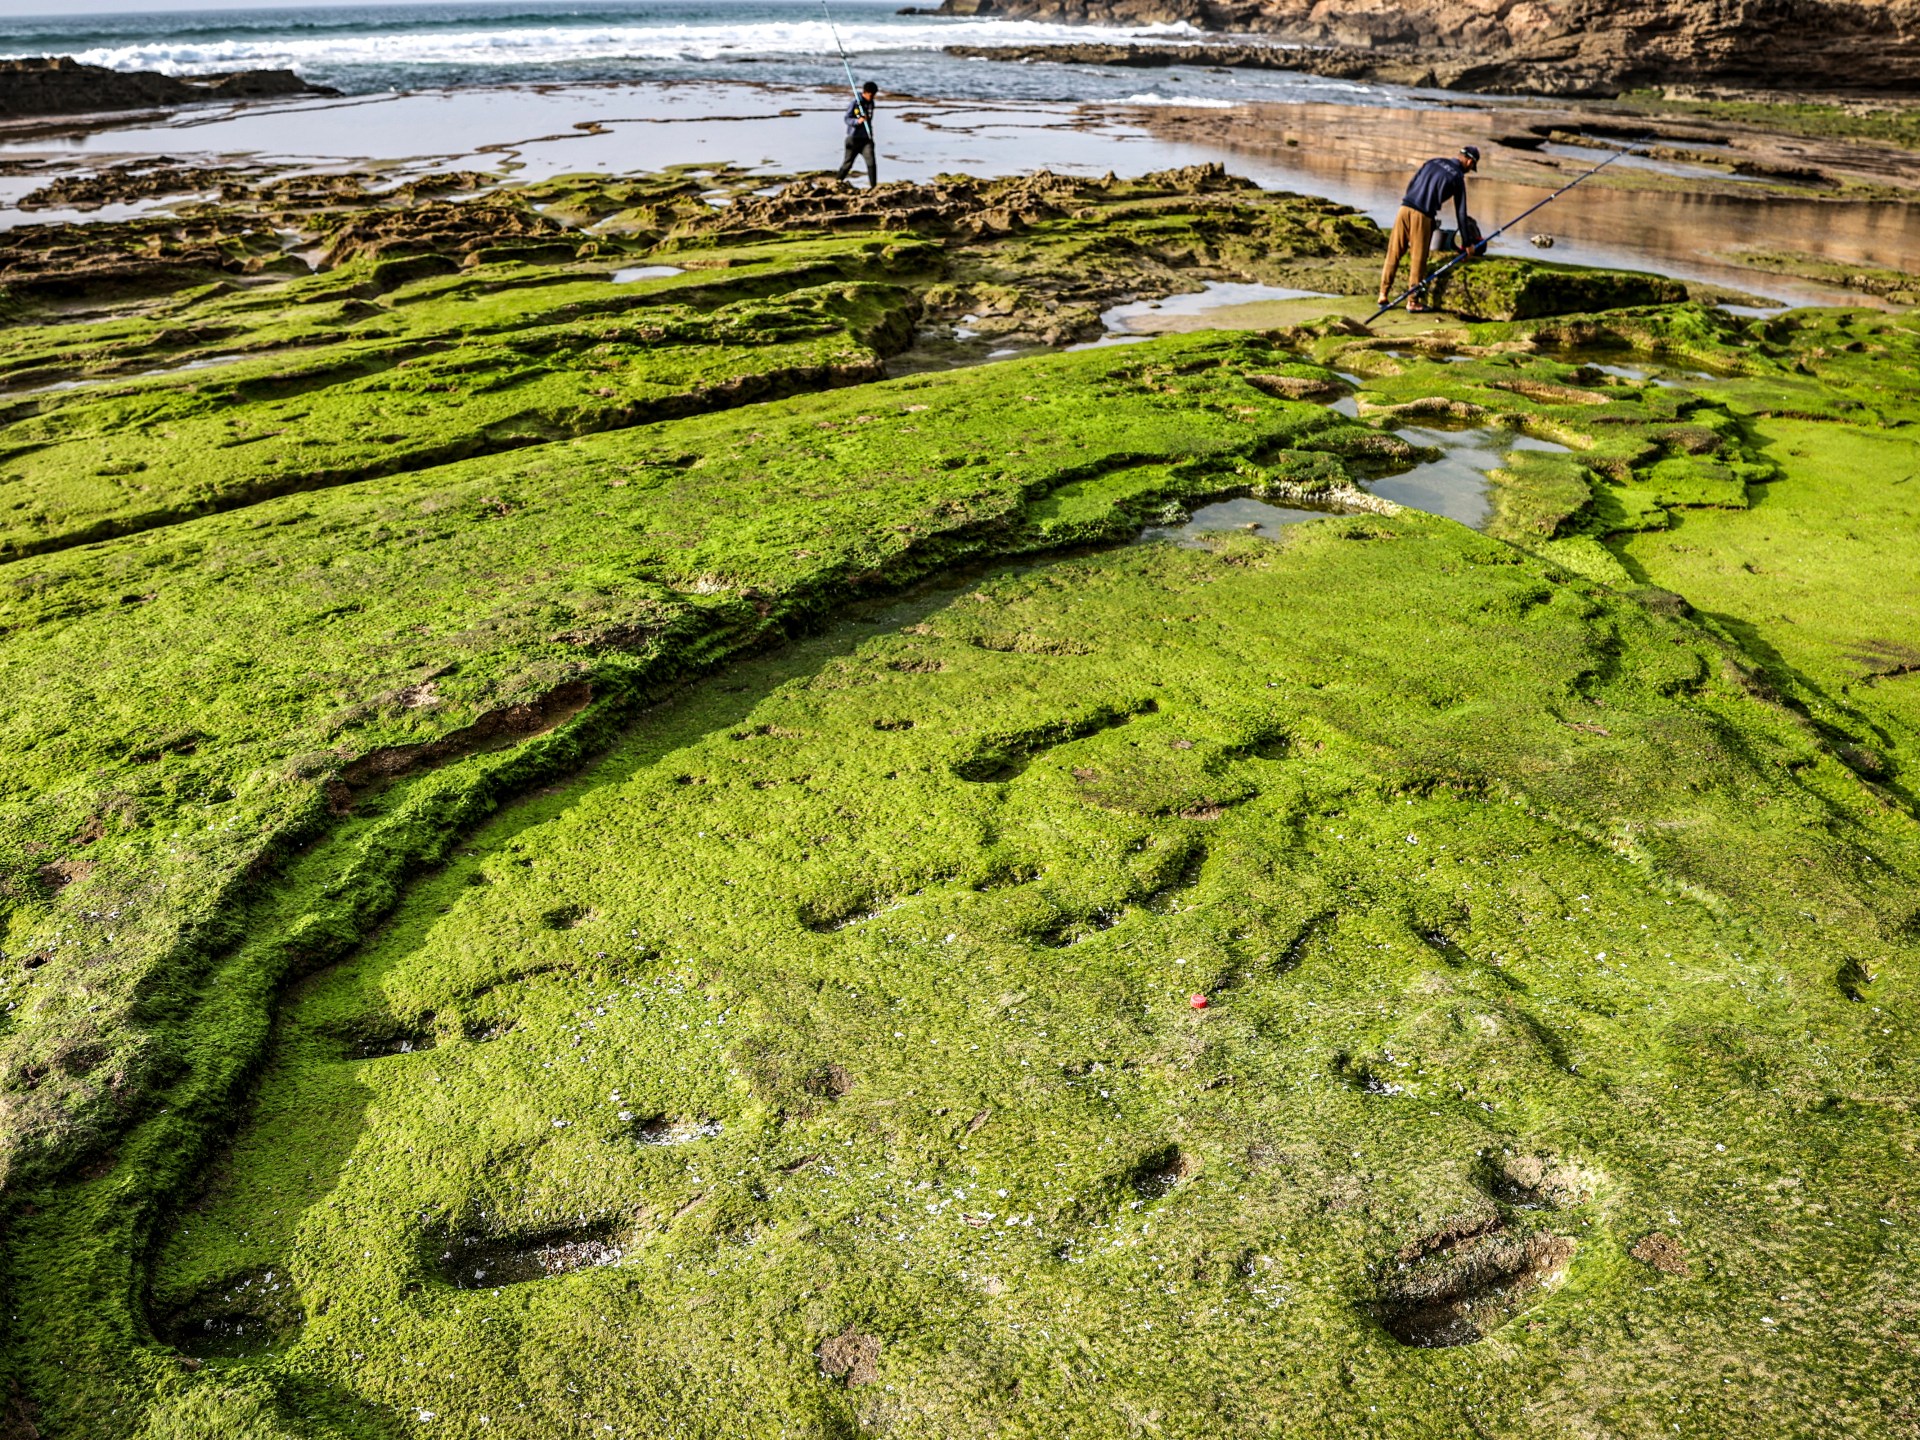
[[58, 85], [1839, 215]]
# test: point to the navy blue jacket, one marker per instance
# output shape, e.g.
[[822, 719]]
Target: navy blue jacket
[[1437, 182], [860, 119]]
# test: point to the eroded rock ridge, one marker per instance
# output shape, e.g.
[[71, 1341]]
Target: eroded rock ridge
[[1553, 47]]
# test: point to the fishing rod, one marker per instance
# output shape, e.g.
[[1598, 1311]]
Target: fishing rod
[[843, 51], [1486, 240]]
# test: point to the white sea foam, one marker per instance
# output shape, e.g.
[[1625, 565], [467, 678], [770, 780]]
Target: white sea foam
[[1186, 102], [551, 45]]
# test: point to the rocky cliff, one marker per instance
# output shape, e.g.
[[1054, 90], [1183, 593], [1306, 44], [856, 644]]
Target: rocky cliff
[[1577, 47], [57, 85]]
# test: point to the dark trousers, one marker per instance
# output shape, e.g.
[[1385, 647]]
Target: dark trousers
[[859, 146]]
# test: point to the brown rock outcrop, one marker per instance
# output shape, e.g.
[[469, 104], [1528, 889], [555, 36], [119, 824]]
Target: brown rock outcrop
[[58, 85], [130, 255], [467, 231], [950, 205], [1547, 47], [1395, 67], [263, 223]]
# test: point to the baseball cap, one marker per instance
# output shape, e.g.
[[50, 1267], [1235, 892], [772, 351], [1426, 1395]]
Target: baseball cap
[[1471, 152]]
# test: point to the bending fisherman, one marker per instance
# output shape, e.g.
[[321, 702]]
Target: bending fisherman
[[1434, 184], [860, 134]]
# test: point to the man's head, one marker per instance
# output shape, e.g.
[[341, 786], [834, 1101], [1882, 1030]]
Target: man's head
[[869, 89], [1470, 156]]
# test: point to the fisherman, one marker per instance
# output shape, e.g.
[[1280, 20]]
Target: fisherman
[[1436, 182], [860, 134]]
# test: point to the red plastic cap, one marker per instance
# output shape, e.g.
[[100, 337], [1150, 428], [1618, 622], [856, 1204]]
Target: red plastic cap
[[1199, 1002]]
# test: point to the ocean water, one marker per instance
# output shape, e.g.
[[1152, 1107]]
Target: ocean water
[[375, 49]]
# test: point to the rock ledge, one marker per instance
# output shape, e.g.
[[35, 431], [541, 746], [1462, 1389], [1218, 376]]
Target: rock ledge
[[60, 85], [1573, 48]]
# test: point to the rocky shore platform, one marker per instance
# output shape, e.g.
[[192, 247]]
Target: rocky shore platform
[[665, 804], [1577, 49]]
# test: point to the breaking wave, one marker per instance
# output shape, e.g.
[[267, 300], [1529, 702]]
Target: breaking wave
[[400, 48], [372, 49]]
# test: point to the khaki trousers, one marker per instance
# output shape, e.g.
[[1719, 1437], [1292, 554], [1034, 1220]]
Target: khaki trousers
[[1412, 236]]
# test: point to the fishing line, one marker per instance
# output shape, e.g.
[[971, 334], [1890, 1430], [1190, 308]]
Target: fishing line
[[843, 51], [1486, 240]]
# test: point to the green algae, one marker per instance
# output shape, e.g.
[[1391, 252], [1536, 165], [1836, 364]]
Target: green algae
[[152, 453], [457, 360], [1651, 431], [1817, 581], [1436, 930], [441, 371], [395, 624], [419, 344], [1864, 120], [1817, 402], [1637, 448], [1899, 286], [1527, 289], [1524, 872], [397, 358], [1660, 445], [1848, 365], [1069, 268]]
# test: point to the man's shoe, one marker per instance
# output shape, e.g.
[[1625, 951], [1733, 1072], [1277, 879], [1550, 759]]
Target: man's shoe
[[1414, 307]]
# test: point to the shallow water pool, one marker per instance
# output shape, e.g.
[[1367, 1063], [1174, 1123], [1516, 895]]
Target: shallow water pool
[[645, 272], [1255, 517], [1455, 485]]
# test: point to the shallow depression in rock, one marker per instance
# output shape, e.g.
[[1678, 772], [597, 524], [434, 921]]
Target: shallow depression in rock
[[933, 350], [645, 272], [1245, 514], [1146, 316], [1455, 485], [1642, 373]]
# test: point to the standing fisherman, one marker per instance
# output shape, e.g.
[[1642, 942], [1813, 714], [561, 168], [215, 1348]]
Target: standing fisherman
[[1435, 183], [860, 135]]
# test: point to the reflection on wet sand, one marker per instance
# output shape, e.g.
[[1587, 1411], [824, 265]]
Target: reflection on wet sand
[[1682, 225], [539, 131]]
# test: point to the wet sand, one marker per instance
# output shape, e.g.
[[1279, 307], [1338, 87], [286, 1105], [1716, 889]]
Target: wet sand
[[1678, 219], [533, 132], [1259, 307], [1667, 217]]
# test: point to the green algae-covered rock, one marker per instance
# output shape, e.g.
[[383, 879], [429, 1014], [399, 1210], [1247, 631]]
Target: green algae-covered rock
[[256, 661], [698, 1082], [1495, 289], [456, 329], [131, 455], [1537, 495], [1757, 467], [1822, 568], [773, 922]]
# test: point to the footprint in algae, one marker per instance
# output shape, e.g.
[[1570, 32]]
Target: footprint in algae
[[1161, 1172], [1464, 1283], [479, 1262], [246, 1315]]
